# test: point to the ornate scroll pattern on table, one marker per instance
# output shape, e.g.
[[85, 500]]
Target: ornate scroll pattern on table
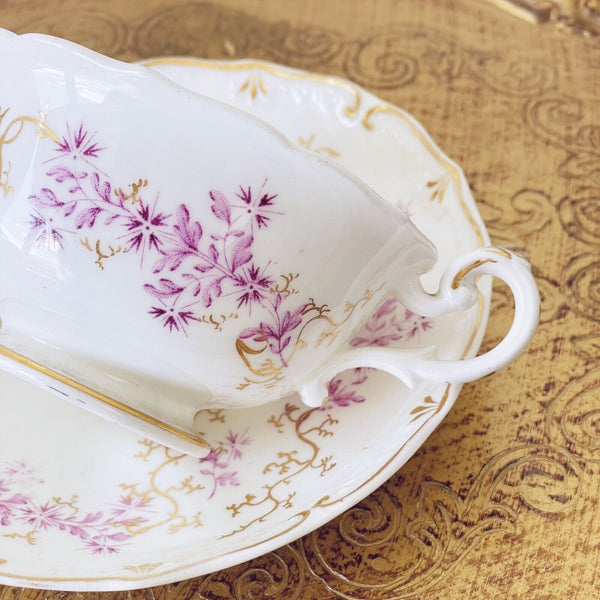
[[531, 212], [558, 120], [381, 59], [391, 58], [435, 525], [506, 74], [418, 540], [207, 29], [98, 29], [573, 417], [279, 574]]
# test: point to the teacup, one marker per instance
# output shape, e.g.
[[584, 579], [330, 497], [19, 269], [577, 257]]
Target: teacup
[[164, 253]]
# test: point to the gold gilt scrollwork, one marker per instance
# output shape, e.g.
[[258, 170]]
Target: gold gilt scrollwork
[[308, 426], [418, 541], [9, 133], [268, 372]]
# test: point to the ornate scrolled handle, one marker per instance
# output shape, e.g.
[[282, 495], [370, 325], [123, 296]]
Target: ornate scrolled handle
[[457, 292]]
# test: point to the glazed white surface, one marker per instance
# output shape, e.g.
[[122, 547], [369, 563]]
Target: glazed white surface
[[83, 456]]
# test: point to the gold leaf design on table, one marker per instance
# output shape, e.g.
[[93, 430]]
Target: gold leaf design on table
[[306, 46], [582, 16], [506, 74], [555, 118], [530, 212], [580, 285], [588, 345], [98, 29], [212, 30], [419, 545], [380, 61], [573, 417], [552, 303], [580, 218], [279, 574]]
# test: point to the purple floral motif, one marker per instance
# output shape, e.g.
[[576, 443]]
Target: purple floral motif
[[258, 205], [343, 394], [193, 264], [217, 465], [78, 143], [101, 533], [390, 323], [276, 332]]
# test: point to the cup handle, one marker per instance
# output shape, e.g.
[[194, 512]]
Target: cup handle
[[457, 292]]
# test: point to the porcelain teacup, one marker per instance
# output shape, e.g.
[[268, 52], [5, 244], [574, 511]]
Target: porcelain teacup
[[163, 253]]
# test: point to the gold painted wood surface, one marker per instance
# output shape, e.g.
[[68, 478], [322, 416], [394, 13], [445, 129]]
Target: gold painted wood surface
[[502, 500]]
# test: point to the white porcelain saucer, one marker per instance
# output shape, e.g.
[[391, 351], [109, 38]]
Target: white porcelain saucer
[[85, 505]]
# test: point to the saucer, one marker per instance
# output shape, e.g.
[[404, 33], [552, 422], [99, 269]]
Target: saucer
[[85, 505]]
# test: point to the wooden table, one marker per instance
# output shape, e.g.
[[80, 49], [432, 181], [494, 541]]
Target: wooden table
[[502, 500]]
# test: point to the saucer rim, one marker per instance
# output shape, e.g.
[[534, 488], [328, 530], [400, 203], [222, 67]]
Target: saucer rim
[[451, 391]]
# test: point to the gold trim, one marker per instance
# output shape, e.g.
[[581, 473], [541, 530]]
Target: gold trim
[[11, 133], [466, 270], [350, 111], [116, 404], [434, 151], [325, 501]]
